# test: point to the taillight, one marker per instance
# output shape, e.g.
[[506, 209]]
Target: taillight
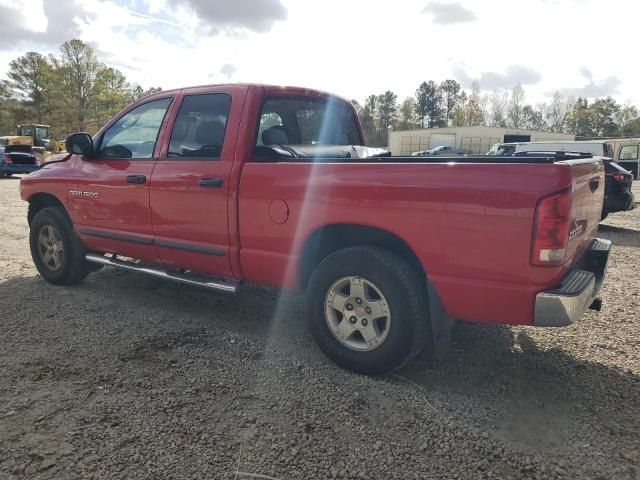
[[618, 177], [7, 159], [551, 229]]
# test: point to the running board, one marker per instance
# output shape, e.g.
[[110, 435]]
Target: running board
[[220, 285]]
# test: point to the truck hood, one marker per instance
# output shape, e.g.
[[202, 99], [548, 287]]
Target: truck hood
[[59, 157]]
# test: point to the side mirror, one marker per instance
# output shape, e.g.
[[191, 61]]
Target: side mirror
[[80, 143]]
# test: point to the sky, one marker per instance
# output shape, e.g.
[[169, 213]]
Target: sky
[[349, 47]]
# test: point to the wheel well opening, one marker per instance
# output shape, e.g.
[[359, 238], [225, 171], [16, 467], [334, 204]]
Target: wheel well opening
[[39, 201], [331, 238]]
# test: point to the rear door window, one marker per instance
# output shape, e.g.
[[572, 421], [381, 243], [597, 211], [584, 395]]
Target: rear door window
[[198, 132], [134, 135]]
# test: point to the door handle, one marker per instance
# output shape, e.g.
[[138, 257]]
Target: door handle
[[594, 183], [211, 182], [136, 179]]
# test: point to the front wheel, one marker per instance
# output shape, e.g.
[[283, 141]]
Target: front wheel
[[56, 250], [367, 310]]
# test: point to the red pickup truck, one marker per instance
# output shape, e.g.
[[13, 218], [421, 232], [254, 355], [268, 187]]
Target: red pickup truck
[[224, 184]]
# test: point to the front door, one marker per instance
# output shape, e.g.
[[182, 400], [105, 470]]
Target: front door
[[190, 184], [109, 197]]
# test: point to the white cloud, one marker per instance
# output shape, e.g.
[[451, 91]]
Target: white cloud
[[512, 75], [449, 13], [603, 88], [353, 48], [255, 15], [228, 70]]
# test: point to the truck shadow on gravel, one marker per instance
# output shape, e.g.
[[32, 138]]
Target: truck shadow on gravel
[[545, 401], [620, 236]]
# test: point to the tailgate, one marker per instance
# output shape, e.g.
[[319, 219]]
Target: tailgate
[[587, 187]]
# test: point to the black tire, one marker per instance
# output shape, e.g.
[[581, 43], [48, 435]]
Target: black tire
[[405, 293], [72, 268]]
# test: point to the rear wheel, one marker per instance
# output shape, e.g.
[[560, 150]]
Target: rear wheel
[[367, 310], [56, 250]]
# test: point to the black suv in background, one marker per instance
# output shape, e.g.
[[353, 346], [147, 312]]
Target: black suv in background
[[618, 196]]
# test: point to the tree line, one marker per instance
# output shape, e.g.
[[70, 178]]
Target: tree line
[[72, 91], [448, 104]]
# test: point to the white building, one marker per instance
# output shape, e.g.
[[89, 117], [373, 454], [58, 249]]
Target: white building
[[477, 140]]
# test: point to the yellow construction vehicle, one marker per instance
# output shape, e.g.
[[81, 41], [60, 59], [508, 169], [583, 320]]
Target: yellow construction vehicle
[[38, 137]]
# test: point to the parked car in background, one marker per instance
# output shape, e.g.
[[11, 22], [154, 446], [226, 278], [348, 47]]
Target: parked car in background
[[441, 150], [618, 195], [16, 159], [597, 148], [626, 153]]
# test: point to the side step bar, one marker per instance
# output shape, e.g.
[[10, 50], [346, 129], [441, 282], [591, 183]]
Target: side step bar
[[220, 285]]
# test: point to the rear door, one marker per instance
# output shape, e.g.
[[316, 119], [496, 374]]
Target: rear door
[[109, 195], [190, 183]]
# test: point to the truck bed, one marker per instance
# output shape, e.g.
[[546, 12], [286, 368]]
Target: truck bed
[[469, 220]]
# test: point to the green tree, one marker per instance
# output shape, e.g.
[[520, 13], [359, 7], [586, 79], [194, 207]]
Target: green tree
[[473, 113], [603, 113], [387, 114], [112, 93], [580, 119], [533, 118], [625, 116], [30, 76], [556, 112], [137, 92], [367, 118], [516, 105], [78, 70], [498, 101], [632, 128], [429, 105], [407, 119], [451, 97]]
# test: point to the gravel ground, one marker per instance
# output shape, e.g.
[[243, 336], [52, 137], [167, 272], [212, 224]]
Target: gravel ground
[[130, 377]]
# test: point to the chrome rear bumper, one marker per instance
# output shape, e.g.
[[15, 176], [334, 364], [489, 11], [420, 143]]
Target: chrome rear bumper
[[577, 291]]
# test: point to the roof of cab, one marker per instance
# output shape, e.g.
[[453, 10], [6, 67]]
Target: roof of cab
[[268, 89]]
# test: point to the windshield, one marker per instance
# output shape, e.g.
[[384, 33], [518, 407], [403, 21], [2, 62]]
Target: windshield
[[42, 132]]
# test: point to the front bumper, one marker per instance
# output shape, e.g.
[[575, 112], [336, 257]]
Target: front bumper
[[577, 290]]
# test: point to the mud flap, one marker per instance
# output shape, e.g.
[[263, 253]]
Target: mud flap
[[441, 326]]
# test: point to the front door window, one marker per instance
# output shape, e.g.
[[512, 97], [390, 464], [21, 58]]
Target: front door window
[[134, 135]]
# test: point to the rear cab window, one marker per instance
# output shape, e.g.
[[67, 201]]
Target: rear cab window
[[307, 122]]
